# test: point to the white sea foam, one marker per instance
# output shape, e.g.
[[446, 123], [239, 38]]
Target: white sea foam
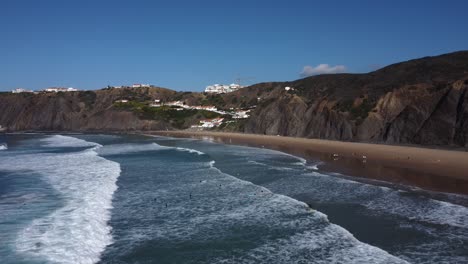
[[269, 166], [3, 146], [302, 161], [117, 149], [331, 244], [326, 243], [78, 232], [430, 211], [190, 150], [240, 204], [313, 167], [257, 163], [380, 198], [212, 163], [59, 141]]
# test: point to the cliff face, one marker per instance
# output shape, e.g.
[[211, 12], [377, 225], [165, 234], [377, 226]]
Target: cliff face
[[422, 101], [77, 111]]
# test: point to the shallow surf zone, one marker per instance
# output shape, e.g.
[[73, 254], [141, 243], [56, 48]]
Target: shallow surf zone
[[180, 208], [426, 230], [417, 226], [78, 232], [312, 237]]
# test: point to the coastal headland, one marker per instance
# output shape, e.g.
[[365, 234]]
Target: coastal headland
[[430, 169], [403, 109]]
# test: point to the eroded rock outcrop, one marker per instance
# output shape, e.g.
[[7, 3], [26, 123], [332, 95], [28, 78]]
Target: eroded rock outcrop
[[76, 111], [422, 101]]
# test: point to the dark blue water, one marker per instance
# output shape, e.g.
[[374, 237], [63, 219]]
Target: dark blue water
[[135, 199]]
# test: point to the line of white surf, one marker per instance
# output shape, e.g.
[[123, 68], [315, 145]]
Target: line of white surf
[[347, 248], [128, 148], [78, 232]]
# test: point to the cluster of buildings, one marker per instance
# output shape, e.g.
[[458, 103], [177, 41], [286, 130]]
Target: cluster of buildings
[[209, 123], [140, 85], [197, 107], [21, 90], [220, 88], [216, 122], [135, 85], [241, 114], [236, 114], [71, 89], [60, 89], [47, 90]]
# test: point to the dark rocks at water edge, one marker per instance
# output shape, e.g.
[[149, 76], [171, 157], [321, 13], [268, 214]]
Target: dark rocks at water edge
[[423, 101]]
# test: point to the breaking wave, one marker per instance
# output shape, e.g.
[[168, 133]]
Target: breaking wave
[[325, 243], [59, 141], [190, 150], [118, 149], [78, 232]]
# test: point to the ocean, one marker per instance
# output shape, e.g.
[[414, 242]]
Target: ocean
[[89, 198]]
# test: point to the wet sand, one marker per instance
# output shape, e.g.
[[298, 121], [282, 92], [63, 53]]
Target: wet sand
[[430, 169]]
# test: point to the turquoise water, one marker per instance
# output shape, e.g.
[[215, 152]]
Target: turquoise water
[[135, 199]]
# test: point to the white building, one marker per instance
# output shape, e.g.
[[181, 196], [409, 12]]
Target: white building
[[207, 108], [176, 103], [210, 123], [122, 101], [140, 85], [157, 103], [241, 114], [60, 89], [220, 88], [21, 90]]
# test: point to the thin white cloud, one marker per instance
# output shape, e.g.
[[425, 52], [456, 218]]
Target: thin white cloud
[[322, 69]]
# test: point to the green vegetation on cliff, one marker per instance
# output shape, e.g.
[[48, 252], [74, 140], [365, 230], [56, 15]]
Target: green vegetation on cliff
[[178, 117]]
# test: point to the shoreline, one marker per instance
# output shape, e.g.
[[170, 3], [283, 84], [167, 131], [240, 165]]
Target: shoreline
[[430, 169]]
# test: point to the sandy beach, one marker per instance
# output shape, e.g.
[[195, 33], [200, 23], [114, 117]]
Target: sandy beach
[[431, 169]]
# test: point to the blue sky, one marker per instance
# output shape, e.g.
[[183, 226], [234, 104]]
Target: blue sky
[[186, 45]]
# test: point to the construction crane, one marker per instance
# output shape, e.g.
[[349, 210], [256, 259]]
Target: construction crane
[[240, 80]]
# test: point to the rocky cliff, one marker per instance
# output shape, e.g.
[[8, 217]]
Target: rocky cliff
[[422, 101], [77, 111]]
